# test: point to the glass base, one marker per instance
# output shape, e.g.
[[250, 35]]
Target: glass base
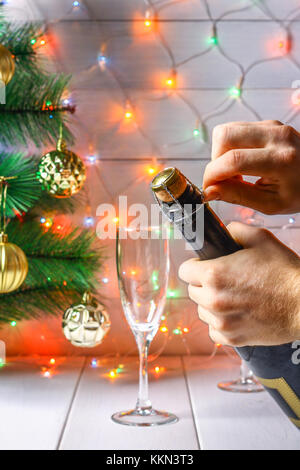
[[242, 386], [144, 418]]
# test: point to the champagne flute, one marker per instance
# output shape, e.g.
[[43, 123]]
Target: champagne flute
[[143, 272]]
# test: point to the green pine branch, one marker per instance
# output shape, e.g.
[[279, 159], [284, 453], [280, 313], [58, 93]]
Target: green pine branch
[[61, 268], [24, 191], [33, 111], [32, 303], [21, 40]]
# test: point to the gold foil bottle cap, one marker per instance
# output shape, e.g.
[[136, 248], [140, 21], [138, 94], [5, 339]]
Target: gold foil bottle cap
[[172, 179]]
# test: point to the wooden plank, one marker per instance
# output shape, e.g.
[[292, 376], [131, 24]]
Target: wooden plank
[[230, 421], [98, 397], [33, 409]]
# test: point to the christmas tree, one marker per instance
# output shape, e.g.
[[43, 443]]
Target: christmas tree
[[33, 113]]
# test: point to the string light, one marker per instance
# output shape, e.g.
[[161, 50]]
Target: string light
[[102, 61], [171, 294], [235, 92], [171, 80], [76, 4], [116, 220], [92, 159], [89, 221], [47, 374], [13, 323], [48, 223], [105, 280], [185, 330], [177, 331], [52, 361], [164, 329], [128, 115], [42, 220], [94, 363], [112, 374], [213, 40]]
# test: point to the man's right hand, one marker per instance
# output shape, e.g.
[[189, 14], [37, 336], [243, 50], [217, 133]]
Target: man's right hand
[[266, 149]]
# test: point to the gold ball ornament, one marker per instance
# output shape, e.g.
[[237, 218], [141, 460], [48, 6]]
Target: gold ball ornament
[[13, 266], [86, 324], [62, 172], [7, 65]]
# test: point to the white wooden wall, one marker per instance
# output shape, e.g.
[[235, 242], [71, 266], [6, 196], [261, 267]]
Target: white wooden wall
[[252, 37]]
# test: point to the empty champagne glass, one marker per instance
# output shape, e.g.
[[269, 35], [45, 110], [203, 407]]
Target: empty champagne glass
[[143, 273]]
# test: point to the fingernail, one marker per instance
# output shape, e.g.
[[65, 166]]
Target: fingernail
[[211, 196]]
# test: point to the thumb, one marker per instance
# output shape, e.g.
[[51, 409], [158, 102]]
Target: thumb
[[246, 235], [244, 194]]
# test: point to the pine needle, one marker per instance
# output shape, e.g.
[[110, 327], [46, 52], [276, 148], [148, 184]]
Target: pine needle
[[24, 191]]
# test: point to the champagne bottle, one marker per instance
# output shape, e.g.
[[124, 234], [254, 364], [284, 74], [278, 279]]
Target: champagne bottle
[[276, 367]]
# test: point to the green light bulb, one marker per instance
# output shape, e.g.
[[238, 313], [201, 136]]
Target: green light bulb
[[213, 40], [13, 323], [235, 92]]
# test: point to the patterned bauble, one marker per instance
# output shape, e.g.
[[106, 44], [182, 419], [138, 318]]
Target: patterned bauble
[[7, 65], [86, 323], [13, 266], [61, 172]]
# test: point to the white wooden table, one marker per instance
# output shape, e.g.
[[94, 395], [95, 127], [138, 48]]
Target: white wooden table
[[72, 409]]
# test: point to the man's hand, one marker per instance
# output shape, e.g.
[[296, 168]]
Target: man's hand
[[268, 150], [251, 297]]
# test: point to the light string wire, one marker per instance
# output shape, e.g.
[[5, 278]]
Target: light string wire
[[221, 108]]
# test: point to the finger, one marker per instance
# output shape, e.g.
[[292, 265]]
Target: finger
[[194, 271], [255, 162], [227, 136], [246, 235], [246, 194], [216, 303], [207, 317]]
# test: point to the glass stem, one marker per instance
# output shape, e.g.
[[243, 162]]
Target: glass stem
[[143, 402], [246, 373]]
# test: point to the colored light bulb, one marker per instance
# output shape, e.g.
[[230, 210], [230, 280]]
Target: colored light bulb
[[13, 323], [235, 92]]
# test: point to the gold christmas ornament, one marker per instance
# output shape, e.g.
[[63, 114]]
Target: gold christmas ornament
[[62, 172], [86, 324], [13, 266], [7, 65]]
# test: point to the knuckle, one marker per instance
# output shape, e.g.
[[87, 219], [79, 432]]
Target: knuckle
[[217, 304], [289, 155], [214, 277], [264, 234], [236, 156], [223, 325], [285, 132], [221, 131]]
